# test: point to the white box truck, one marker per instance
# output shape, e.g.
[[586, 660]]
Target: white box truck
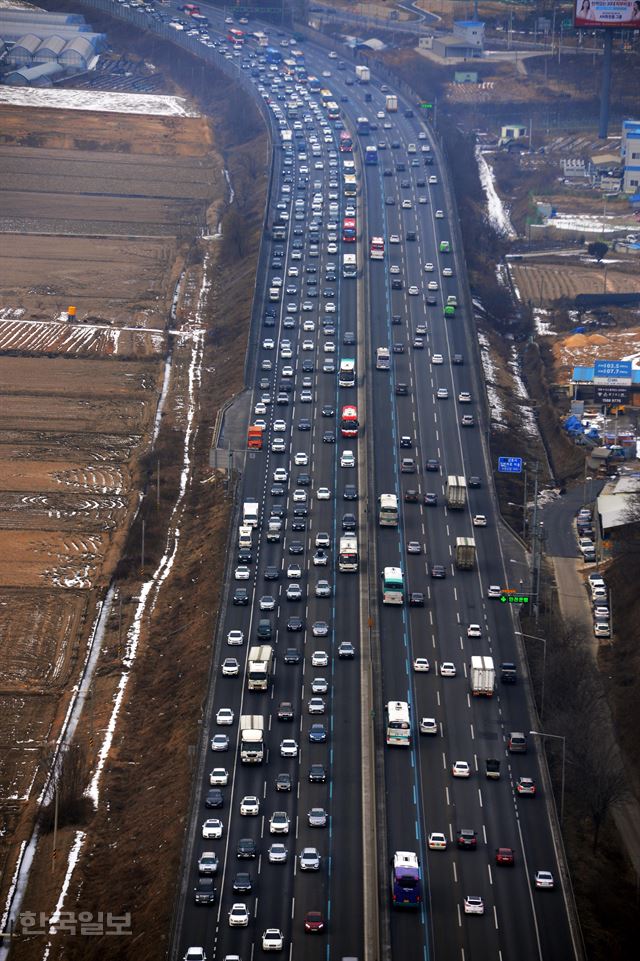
[[465, 553], [482, 676], [250, 513], [392, 103], [260, 662], [363, 74], [456, 492], [251, 738]]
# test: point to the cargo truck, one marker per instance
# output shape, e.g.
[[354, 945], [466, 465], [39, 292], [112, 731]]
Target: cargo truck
[[245, 536], [456, 492], [363, 74], [254, 437], [482, 676], [251, 739], [260, 664], [392, 104], [465, 553], [250, 513]]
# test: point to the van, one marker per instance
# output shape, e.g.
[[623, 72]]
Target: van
[[517, 743], [264, 629]]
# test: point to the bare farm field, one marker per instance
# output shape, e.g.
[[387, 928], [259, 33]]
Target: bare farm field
[[546, 282]]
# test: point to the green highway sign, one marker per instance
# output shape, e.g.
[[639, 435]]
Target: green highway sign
[[514, 599]]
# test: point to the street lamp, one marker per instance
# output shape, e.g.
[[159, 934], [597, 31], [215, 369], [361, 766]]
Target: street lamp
[[535, 637], [558, 737]]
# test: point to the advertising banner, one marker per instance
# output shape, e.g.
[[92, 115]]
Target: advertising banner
[[607, 13]]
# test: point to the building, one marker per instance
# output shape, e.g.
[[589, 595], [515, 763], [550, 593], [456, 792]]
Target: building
[[467, 41], [512, 131], [40, 75], [78, 53], [619, 504], [49, 50], [630, 153], [465, 76], [23, 50]]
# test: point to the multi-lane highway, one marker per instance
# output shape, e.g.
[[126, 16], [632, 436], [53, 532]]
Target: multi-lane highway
[[312, 318]]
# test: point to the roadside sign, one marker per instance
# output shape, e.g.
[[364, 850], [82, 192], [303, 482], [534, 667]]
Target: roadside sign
[[510, 465], [612, 373], [612, 395], [507, 598]]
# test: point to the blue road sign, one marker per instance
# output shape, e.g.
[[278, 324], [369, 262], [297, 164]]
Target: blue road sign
[[510, 465], [612, 372]]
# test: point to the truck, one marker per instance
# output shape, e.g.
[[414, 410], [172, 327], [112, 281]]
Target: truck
[[245, 536], [492, 768], [255, 436], [363, 74], [383, 358], [391, 103], [250, 513], [260, 663], [274, 530], [482, 676], [349, 265], [465, 553], [251, 738], [456, 492]]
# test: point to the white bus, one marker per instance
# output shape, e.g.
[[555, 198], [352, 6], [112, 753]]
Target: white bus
[[388, 510], [348, 554], [347, 373], [383, 358], [349, 265], [392, 585], [398, 724]]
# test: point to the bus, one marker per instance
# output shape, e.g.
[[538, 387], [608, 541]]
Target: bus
[[326, 95], [347, 374], [362, 125], [349, 230], [388, 510], [350, 185], [235, 36], [398, 724], [392, 585], [406, 883], [348, 554], [333, 110], [261, 38], [273, 55], [371, 156], [289, 68], [376, 248], [297, 55], [345, 142], [349, 423], [383, 358], [349, 265], [286, 136], [313, 84]]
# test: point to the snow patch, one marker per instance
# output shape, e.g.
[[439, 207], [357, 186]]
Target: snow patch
[[98, 100], [497, 214], [543, 327], [587, 223]]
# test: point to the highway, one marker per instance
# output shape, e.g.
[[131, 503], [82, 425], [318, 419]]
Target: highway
[[419, 794]]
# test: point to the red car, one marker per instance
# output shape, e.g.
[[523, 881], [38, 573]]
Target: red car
[[505, 856], [313, 922]]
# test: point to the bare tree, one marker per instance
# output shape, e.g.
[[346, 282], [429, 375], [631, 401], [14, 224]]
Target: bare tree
[[599, 775]]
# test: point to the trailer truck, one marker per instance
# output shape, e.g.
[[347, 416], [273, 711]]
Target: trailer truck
[[260, 663], [482, 676], [465, 553], [251, 739], [456, 492]]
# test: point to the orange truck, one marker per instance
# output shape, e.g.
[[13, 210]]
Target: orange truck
[[254, 437]]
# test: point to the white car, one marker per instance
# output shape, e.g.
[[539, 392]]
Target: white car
[[544, 880], [272, 939], [279, 426], [277, 853], [249, 805], [421, 664], [219, 777], [292, 308], [437, 841], [428, 725], [294, 571], [494, 591], [447, 272], [281, 474], [288, 747], [308, 345], [406, 205], [301, 459], [212, 828], [413, 291], [268, 343], [429, 268], [479, 520], [347, 459], [331, 248], [439, 214], [329, 308], [442, 393], [230, 667], [394, 239], [299, 496], [464, 397], [329, 347], [460, 769], [309, 325], [235, 638], [195, 954], [437, 359], [394, 269], [242, 573], [474, 630], [432, 285], [238, 916], [292, 271], [323, 494], [422, 200], [473, 904], [225, 716], [286, 353], [319, 659], [433, 179], [447, 669], [279, 823], [260, 408]]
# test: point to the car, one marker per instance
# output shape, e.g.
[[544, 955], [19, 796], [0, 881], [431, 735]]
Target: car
[[442, 393], [421, 665], [437, 841], [474, 630], [309, 859], [288, 747], [466, 838], [505, 856], [320, 558], [473, 904], [432, 285], [279, 823], [517, 743], [267, 603], [277, 853], [323, 494], [474, 482], [429, 268], [230, 667], [260, 408], [431, 499], [413, 290], [433, 179], [219, 742], [544, 880], [317, 773], [207, 863], [494, 591], [320, 629], [319, 659], [347, 459], [295, 623], [346, 651], [526, 786], [438, 571], [432, 465], [464, 397], [271, 572], [317, 733], [314, 922], [204, 891], [447, 669], [294, 592], [439, 214], [295, 547], [479, 520], [317, 818], [328, 410], [437, 359], [241, 597], [279, 426], [242, 883], [249, 805], [350, 492], [283, 782], [299, 496], [235, 638], [212, 828], [277, 490], [268, 343], [323, 539], [414, 547], [428, 725], [416, 599], [316, 705], [238, 916], [460, 769], [272, 939], [225, 716], [457, 360], [406, 205], [194, 954], [447, 272], [219, 776]]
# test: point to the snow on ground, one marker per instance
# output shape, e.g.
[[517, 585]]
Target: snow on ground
[[528, 420], [542, 325], [99, 100], [490, 376], [497, 213], [74, 854], [588, 223]]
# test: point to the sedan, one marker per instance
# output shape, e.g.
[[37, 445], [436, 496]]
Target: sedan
[[432, 285], [544, 880], [466, 838], [460, 769], [242, 573], [447, 272], [428, 725], [235, 638], [319, 659], [230, 667], [267, 603], [413, 290], [316, 705], [317, 774], [279, 823], [288, 748], [473, 904], [238, 916], [438, 571], [442, 393], [505, 856], [212, 828], [219, 742], [447, 669], [437, 841], [346, 651], [309, 859], [317, 818], [301, 459], [526, 786], [474, 630], [294, 592], [322, 494], [299, 496], [249, 805], [314, 922], [479, 520], [317, 734], [320, 629], [225, 716], [277, 853], [319, 685], [219, 776], [272, 939], [421, 665], [414, 547]]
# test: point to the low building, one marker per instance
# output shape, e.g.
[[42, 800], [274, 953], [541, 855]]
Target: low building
[[512, 131], [466, 42], [630, 154]]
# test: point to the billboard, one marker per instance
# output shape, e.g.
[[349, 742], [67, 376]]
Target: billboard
[[612, 373], [607, 13]]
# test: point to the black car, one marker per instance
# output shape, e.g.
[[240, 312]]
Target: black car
[[328, 410], [245, 556], [296, 547], [277, 490], [431, 300], [307, 366], [269, 321], [304, 424], [396, 283], [241, 597], [432, 464], [317, 733], [350, 492], [214, 798], [411, 235], [285, 387], [349, 522], [242, 883], [300, 510], [298, 524], [400, 168], [388, 173], [405, 442], [328, 292], [416, 599], [328, 437], [295, 623], [465, 838], [278, 510], [271, 573], [317, 774], [292, 656], [401, 390], [457, 359], [395, 145], [474, 482], [438, 570], [304, 480], [397, 348], [246, 848], [405, 184], [283, 782], [204, 891]]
